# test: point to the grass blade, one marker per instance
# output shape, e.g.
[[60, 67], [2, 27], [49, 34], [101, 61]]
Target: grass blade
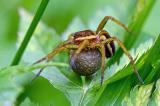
[[140, 16], [30, 31]]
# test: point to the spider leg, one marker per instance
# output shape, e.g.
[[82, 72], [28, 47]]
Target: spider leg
[[70, 39], [102, 62], [81, 46], [53, 53], [86, 38], [110, 49], [40, 60], [130, 57], [59, 49], [37, 75], [105, 20], [127, 53], [103, 33]]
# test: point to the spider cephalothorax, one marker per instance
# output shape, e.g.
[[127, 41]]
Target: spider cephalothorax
[[88, 50]]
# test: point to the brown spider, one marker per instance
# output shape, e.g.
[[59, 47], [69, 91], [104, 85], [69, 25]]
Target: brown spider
[[89, 49]]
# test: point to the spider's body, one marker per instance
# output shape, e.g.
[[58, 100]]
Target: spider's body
[[88, 61], [89, 49]]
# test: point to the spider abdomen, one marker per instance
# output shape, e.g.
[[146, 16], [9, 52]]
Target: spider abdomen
[[87, 62]]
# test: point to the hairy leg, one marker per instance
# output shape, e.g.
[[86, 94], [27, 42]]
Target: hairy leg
[[130, 57], [110, 49], [50, 56], [127, 53], [55, 51], [103, 62], [102, 50], [105, 20], [86, 38], [80, 48], [67, 42]]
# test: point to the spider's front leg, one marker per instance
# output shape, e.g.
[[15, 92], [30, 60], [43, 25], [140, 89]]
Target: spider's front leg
[[102, 50], [82, 45], [53, 53], [105, 20], [66, 44], [56, 51]]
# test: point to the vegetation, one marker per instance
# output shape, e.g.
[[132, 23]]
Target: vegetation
[[38, 35]]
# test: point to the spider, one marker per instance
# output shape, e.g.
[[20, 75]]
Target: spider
[[88, 50]]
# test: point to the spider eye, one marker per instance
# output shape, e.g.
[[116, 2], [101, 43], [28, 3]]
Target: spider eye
[[102, 37]]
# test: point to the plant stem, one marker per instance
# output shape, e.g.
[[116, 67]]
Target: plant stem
[[57, 64], [29, 32]]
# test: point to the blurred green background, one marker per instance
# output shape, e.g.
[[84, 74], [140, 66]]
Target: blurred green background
[[58, 15]]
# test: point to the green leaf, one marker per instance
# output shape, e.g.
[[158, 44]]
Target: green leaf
[[155, 99], [113, 81], [139, 96], [154, 73], [13, 80], [43, 41], [27, 102], [145, 95]]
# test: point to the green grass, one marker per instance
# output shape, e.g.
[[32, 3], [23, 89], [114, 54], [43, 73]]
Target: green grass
[[30, 32]]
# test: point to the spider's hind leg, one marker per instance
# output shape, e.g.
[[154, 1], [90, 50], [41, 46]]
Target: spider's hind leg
[[130, 57], [127, 53]]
